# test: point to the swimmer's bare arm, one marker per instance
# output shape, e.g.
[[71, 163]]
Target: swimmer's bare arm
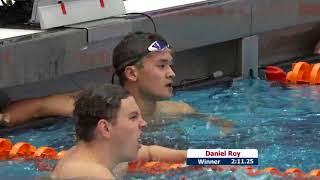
[[184, 109], [22, 111], [159, 153], [224, 124]]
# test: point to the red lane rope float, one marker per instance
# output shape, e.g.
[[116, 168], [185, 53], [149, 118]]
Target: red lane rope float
[[5, 147], [22, 150], [274, 73], [302, 73]]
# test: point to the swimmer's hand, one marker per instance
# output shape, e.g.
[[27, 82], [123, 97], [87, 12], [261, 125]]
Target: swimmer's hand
[[4, 119], [226, 126]]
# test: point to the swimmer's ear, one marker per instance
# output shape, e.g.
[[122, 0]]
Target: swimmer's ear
[[131, 73], [104, 128]]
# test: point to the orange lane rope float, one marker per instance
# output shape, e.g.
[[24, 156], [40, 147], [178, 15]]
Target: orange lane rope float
[[162, 167], [301, 73], [22, 150]]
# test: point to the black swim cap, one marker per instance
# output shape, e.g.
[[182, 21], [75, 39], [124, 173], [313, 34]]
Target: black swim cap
[[134, 47]]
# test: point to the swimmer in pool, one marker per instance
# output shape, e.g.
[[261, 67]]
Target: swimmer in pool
[[108, 130], [143, 63]]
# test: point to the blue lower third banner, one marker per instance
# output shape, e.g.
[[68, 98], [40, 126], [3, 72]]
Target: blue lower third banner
[[222, 161]]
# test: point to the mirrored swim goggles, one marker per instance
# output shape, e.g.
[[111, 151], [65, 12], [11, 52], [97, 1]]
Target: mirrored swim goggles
[[156, 46]]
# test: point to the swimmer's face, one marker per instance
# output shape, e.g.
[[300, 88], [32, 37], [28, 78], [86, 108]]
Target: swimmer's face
[[127, 130], [155, 78]]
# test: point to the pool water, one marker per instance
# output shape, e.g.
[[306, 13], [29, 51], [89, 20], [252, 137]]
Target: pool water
[[283, 123]]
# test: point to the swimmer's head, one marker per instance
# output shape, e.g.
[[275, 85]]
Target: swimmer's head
[[111, 117], [133, 47], [145, 59], [95, 104]]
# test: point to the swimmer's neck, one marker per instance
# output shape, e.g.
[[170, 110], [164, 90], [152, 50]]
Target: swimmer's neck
[[148, 108], [147, 104]]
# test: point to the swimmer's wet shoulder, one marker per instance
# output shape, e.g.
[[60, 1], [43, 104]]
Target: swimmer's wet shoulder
[[174, 108], [75, 164], [68, 168], [82, 170]]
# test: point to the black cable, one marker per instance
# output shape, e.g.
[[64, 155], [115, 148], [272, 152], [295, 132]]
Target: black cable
[[149, 17], [127, 14], [185, 82]]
